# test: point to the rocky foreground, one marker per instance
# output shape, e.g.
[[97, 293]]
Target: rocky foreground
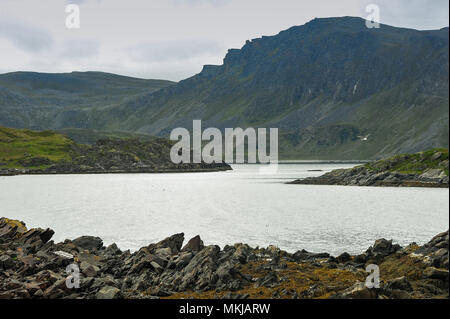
[[33, 266], [425, 169]]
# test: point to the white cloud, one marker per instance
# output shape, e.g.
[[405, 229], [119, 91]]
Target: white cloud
[[168, 39], [79, 48], [182, 50], [25, 37]]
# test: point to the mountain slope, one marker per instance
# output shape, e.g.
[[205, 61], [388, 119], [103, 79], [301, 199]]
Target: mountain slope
[[51, 101], [324, 85]]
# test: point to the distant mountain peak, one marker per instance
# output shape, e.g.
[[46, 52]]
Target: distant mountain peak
[[322, 84]]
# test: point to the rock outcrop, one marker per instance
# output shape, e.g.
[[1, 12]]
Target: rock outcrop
[[108, 155], [425, 169], [33, 266]]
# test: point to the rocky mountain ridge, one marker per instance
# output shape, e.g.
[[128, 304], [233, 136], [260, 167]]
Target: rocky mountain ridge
[[326, 85]]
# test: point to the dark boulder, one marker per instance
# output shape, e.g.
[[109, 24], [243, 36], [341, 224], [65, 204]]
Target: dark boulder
[[400, 283], [344, 257], [381, 249], [89, 242], [195, 244], [303, 255], [174, 242]]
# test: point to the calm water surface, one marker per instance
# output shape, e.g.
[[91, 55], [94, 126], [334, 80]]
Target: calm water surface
[[242, 205]]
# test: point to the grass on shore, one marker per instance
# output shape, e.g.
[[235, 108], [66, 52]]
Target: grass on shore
[[413, 163], [19, 145]]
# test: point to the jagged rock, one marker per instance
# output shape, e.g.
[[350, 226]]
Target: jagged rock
[[37, 270], [225, 272], [88, 269], [89, 242], [359, 291], [303, 255], [161, 292], [6, 295], [400, 283], [21, 293], [108, 292], [182, 260], [242, 253], [10, 228], [144, 260], [432, 174], [13, 284], [437, 250], [56, 290], [32, 288], [381, 249], [44, 235], [195, 244], [199, 274], [383, 172], [6, 262], [434, 273], [270, 280], [400, 294], [343, 258], [112, 250], [163, 252], [361, 259], [173, 242]]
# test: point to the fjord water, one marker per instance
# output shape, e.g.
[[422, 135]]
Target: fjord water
[[242, 205]]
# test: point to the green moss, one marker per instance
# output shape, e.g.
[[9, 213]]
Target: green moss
[[297, 277], [19, 146], [413, 163]]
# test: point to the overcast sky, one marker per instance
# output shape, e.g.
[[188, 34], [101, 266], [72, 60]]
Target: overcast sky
[[169, 39]]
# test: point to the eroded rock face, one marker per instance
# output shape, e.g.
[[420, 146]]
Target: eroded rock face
[[194, 244], [32, 266]]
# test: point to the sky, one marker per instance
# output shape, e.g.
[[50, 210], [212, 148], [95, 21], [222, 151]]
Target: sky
[[169, 39]]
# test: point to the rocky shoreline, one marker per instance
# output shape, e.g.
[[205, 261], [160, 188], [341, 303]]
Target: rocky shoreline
[[142, 170], [33, 266], [426, 169], [361, 176], [111, 156]]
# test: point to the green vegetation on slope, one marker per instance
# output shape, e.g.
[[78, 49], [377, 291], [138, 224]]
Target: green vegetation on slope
[[90, 136], [323, 84], [43, 101], [24, 151], [416, 163], [21, 148]]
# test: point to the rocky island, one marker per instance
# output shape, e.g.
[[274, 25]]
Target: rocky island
[[47, 152], [424, 169], [33, 266]]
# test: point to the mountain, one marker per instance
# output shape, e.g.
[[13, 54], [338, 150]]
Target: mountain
[[325, 85], [54, 101]]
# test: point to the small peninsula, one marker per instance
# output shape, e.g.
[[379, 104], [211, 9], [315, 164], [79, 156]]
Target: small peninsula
[[25, 151], [424, 169]]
